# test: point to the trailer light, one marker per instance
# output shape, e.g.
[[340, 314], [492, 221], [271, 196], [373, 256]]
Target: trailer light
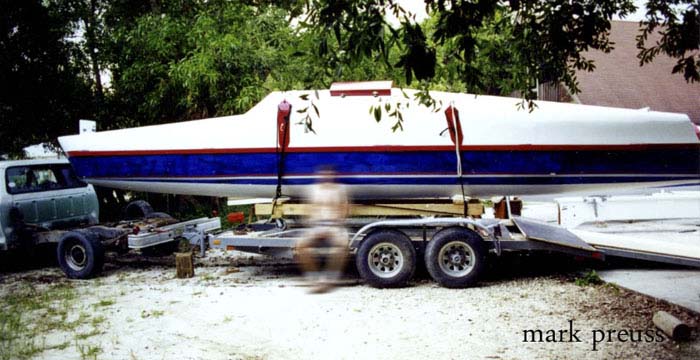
[[136, 230], [216, 242], [598, 255], [230, 247]]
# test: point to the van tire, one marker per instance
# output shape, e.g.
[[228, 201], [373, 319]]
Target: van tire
[[80, 255]]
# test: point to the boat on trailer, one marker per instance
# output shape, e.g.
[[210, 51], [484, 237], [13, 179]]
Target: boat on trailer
[[470, 144], [473, 145]]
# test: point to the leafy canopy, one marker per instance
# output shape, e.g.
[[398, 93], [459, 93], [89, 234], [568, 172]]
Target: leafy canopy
[[468, 41], [169, 60]]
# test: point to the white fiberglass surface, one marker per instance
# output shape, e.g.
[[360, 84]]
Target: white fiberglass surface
[[347, 122]]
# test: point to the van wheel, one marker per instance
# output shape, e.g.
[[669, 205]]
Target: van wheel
[[455, 257], [80, 255], [386, 259]]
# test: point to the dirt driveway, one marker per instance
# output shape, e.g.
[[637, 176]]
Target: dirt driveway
[[245, 308]]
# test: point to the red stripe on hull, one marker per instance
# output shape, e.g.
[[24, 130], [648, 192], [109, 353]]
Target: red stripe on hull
[[390, 148]]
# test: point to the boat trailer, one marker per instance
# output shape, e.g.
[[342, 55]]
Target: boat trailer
[[454, 248]]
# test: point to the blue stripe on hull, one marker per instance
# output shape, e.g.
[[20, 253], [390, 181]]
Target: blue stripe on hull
[[515, 180], [657, 165]]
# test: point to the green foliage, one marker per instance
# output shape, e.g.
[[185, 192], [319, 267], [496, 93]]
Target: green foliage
[[176, 66], [588, 279], [678, 22], [171, 60], [43, 91], [497, 47]]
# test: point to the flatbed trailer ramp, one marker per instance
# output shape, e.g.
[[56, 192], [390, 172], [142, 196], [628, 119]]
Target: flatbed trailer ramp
[[538, 231], [642, 249]]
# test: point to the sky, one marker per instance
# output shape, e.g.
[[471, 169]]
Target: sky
[[637, 15]]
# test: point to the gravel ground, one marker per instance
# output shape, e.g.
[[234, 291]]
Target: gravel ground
[[239, 307]]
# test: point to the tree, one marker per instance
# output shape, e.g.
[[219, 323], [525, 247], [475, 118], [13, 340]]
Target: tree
[[184, 60], [678, 22], [189, 60], [545, 40], [172, 60], [43, 92]]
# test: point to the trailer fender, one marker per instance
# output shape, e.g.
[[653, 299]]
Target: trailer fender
[[363, 233]]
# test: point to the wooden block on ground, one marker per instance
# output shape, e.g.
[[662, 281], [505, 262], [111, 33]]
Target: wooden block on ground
[[670, 325], [184, 265]]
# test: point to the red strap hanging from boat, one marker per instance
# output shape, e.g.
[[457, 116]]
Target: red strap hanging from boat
[[452, 117], [284, 109]]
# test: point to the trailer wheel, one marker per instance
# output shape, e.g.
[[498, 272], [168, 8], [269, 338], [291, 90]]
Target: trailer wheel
[[455, 257], [80, 255], [139, 209], [386, 259]]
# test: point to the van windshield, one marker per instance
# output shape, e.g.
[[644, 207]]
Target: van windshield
[[36, 178]]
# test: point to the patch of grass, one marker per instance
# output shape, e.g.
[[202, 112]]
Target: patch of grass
[[152, 313], [104, 302], [122, 276], [61, 346], [588, 279], [208, 277], [88, 351], [30, 311], [98, 320], [227, 319], [83, 336], [612, 288], [28, 297]]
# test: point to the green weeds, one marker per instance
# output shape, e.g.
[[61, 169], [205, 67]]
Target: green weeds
[[588, 279], [29, 313]]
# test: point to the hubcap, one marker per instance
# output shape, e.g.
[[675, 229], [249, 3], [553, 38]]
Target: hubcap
[[385, 260], [456, 259], [76, 257]]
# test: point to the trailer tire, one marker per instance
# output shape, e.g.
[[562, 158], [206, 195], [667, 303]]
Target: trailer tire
[[455, 257], [80, 255], [159, 215], [386, 259], [139, 209]]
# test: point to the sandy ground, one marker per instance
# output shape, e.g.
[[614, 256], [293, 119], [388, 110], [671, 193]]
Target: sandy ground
[[239, 307]]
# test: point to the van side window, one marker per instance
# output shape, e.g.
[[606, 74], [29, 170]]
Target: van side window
[[36, 178]]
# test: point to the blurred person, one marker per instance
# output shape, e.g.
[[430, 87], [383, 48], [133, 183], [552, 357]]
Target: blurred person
[[324, 249]]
